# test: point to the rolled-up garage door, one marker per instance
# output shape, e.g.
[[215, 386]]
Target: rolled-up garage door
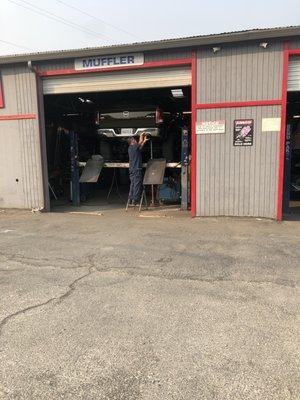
[[294, 74], [121, 80]]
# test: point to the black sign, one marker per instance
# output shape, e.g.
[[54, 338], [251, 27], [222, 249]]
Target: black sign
[[243, 132]]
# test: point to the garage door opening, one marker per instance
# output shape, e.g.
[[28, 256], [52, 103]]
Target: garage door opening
[[94, 126], [292, 155]]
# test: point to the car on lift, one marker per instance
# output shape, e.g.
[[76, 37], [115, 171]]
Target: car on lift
[[124, 124], [113, 128]]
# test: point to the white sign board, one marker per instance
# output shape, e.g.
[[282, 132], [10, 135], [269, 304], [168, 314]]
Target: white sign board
[[109, 61], [205, 127], [271, 124]]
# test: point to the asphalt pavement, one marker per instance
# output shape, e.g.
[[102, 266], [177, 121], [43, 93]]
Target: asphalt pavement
[[114, 306]]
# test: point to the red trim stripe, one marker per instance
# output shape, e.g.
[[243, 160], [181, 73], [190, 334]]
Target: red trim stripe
[[285, 71], [16, 117], [193, 136], [153, 64], [233, 104], [294, 52], [1, 93]]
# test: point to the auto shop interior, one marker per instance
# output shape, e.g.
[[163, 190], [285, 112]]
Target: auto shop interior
[[292, 154], [87, 149], [291, 195]]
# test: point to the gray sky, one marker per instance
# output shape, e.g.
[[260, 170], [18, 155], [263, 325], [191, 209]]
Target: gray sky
[[109, 21]]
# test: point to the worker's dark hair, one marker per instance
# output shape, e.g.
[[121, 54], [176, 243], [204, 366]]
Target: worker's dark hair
[[130, 139]]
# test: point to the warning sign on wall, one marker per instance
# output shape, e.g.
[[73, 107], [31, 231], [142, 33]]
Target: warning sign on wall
[[205, 127], [243, 132]]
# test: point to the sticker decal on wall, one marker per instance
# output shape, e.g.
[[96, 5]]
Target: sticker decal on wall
[[271, 124], [205, 127], [243, 132]]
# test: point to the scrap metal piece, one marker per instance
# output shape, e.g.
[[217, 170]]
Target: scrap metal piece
[[92, 170], [155, 172]]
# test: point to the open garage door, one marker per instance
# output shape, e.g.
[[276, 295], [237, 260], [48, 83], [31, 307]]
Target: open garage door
[[121, 80], [294, 74], [87, 129]]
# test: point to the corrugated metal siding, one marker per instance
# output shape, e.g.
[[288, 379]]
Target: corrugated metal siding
[[237, 181], [240, 73], [55, 64], [20, 143], [294, 44], [167, 55]]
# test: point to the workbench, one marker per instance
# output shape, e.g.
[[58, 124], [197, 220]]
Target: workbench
[[126, 165]]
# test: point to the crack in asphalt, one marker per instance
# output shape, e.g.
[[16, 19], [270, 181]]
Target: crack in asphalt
[[58, 300], [177, 276], [133, 271], [10, 270], [5, 320], [40, 262], [90, 260], [72, 286]]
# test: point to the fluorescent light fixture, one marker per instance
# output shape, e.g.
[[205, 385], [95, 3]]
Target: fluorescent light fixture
[[296, 116], [177, 93], [85, 100], [264, 45]]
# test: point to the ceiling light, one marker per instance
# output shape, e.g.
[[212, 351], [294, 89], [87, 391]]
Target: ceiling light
[[296, 116], [177, 93], [264, 45], [85, 100]]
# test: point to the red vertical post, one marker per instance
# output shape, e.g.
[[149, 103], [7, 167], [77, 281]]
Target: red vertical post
[[282, 131], [1, 93], [193, 134]]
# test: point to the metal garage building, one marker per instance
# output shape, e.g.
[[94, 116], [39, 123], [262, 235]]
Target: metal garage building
[[233, 76]]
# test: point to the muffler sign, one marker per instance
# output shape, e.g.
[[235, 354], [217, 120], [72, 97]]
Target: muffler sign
[[98, 62]]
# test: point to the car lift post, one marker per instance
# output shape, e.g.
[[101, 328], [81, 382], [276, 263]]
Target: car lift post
[[287, 170], [75, 190], [152, 203], [184, 168]]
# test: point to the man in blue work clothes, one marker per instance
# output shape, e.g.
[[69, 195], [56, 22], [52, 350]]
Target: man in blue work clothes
[[135, 167]]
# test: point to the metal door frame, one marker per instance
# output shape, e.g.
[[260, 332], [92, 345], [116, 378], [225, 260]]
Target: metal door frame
[[191, 61], [287, 53]]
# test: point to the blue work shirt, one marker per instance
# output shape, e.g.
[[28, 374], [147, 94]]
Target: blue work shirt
[[135, 157]]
